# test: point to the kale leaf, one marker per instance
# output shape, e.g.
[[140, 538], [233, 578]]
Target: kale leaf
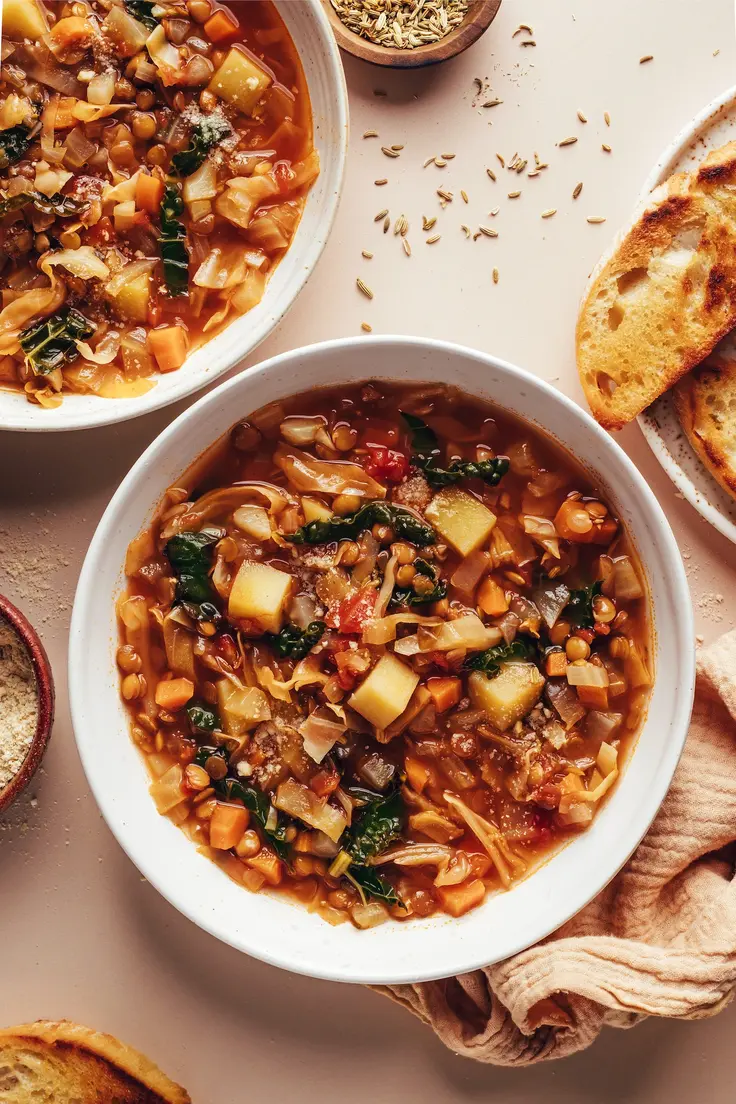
[[405, 596], [206, 134], [173, 241], [51, 344], [378, 824], [203, 718], [489, 661], [368, 882], [579, 609], [190, 556], [142, 10], [404, 524], [61, 205], [295, 643], [13, 144], [425, 448]]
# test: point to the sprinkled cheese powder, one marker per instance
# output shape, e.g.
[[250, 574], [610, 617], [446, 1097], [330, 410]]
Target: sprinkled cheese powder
[[18, 703]]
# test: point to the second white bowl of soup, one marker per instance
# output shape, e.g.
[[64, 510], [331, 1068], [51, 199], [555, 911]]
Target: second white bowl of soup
[[455, 717], [165, 214]]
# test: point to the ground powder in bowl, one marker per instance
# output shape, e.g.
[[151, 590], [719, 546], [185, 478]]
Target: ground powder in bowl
[[18, 703]]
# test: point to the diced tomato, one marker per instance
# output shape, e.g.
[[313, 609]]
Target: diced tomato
[[102, 233], [353, 612], [387, 464], [325, 782], [283, 175]]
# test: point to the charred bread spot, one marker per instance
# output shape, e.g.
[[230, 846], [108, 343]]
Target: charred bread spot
[[672, 207], [716, 290]]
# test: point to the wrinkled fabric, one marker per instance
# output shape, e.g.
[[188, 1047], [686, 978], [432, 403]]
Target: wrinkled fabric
[[660, 940]]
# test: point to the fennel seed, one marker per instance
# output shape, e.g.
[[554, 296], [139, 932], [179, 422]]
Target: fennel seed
[[386, 223], [465, 229], [577, 189], [606, 118], [549, 212], [596, 218], [487, 232], [447, 156], [605, 147], [366, 327], [378, 183], [581, 117], [364, 288], [407, 247], [381, 215], [492, 103], [368, 256], [447, 196], [514, 195], [370, 134], [568, 141], [428, 223], [388, 152], [491, 174], [523, 27], [464, 195], [433, 239], [647, 57], [495, 275]]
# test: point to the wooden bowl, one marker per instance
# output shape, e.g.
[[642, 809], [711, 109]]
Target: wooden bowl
[[45, 690], [480, 15]]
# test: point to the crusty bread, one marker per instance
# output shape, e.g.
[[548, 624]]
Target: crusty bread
[[705, 401], [64, 1063], [666, 296]]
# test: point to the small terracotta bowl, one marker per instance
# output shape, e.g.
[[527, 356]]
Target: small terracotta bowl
[[480, 15], [45, 690]]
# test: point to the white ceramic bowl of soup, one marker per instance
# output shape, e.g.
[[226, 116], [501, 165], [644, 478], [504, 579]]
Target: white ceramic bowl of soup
[[272, 928], [315, 44]]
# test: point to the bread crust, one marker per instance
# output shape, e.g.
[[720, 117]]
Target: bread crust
[[658, 305], [705, 401], [68, 1055]]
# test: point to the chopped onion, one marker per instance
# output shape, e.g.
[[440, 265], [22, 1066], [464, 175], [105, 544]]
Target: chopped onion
[[509, 626], [78, 148], [467, 631], [607, 759], [601, 725], [326, 476], [40, 65], [101, 88], [90, 113], [299, 801], [626, 584], [382, 630], [320, 732], [550, 598], [416, 854], [106, 351], [527, 612], [582, 673], [165, 57], [469, 571], [201, 184], [565, 701], [387, 587], [130, 35], [456, 870], [302, 611], [369, 915], [489, 836], [224, 267], [302, 430], [431, 823], [542, 530]]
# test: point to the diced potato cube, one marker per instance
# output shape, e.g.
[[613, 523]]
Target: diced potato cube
[[314, 510], [132, 299], [23, 19], [259, 594], [240, 80], [254, 521], [241, 709], [460, 899], [508, 696], [385, 694], [460, 519]]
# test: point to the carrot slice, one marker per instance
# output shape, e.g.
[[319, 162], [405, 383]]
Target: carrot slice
[[227, 824], [169, 346], [172, 694], [220, 26], [446, 692], [148, 193]]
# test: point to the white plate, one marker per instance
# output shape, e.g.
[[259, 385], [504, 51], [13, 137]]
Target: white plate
[[713, 127], [270, 928], [315, 43]]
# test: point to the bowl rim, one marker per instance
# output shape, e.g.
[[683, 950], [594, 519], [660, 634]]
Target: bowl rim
[[45, 701], [433, 53], [104, 412], [632, 829]]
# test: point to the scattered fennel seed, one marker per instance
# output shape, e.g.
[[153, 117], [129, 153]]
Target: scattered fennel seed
[[494, 211], [581, 117], [495, 275], [568, 141], [440, 162], [490, 173], [364, 289], [381, 215], [606, 118], [447, 196], [523, 27], [386, 224], [407, 247], [514, 195], [464, 195], [366, 327], [429, 161], [388, 152], [378, 183], [368, 255], [577, 190], [605, 147], [487, 232], [596, 218], [500, 158], [647, 57], [428, 223], [447, 156], [549, 212], [529, 42], [492, 103], [433, 239], [533, 172], [397, 148], [370, 134], [465, 229]]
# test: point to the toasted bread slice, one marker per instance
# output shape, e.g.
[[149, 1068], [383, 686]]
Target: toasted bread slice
[[667, 295], [64, 1063], [705, 401]]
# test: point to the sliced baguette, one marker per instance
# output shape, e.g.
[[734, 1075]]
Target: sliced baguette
[[705, 401], [666, 296], [64, 1063]]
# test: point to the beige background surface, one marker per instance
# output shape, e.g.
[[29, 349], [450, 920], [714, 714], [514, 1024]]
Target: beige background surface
[[81, 934]]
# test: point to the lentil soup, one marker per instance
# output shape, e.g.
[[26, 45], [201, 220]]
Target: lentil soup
[[383, 649], [154, 164]]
